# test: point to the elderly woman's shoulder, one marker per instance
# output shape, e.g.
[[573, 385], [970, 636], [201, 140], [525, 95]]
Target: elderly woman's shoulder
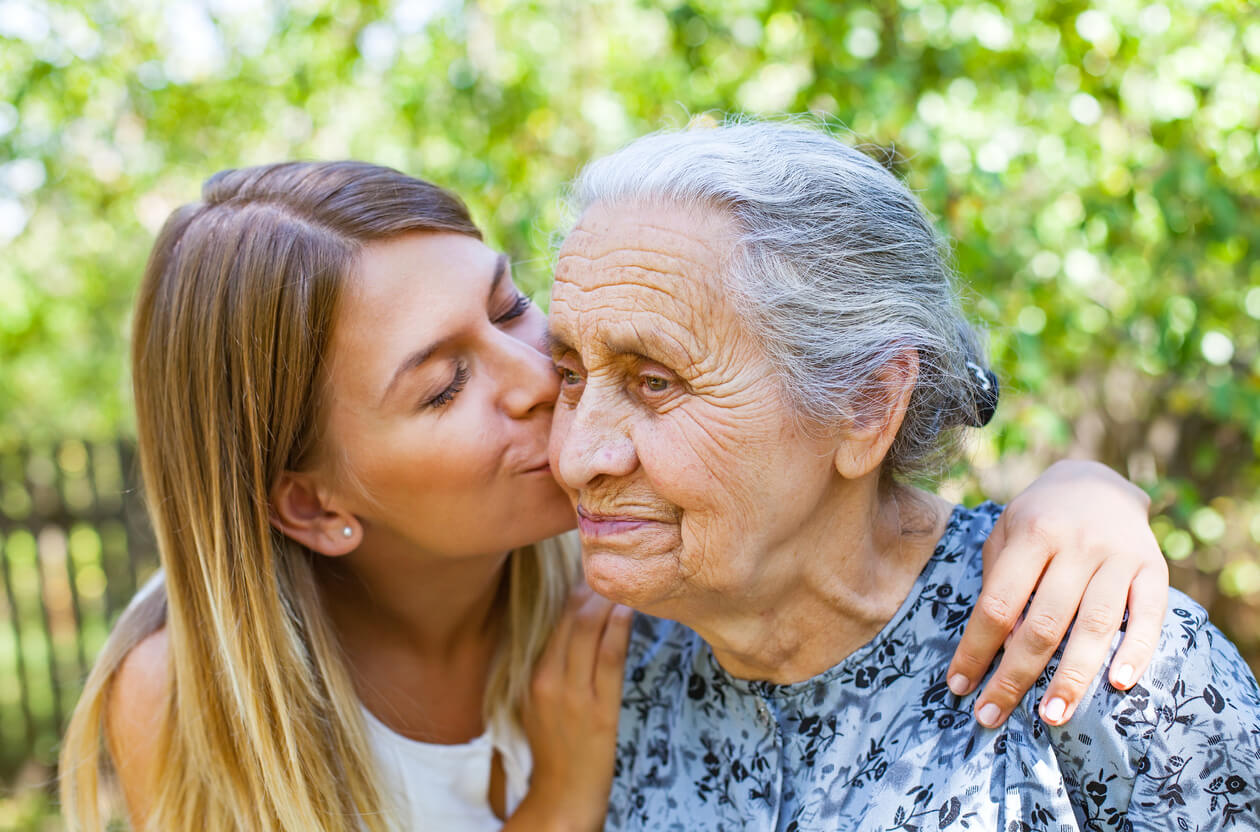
[[1196, 674], [1188, 635], [1196, 663], [1192, 656], [1188, 731]]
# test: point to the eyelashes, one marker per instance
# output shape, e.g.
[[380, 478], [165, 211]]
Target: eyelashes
[[452, 390], [518, 309]]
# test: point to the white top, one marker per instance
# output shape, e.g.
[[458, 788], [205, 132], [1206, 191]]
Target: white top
[[447, 787]]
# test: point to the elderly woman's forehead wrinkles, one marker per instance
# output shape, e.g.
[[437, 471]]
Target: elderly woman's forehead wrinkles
[[676, 283], [639, 266], [714, 229], [632, 242], [587, 277], [645, 319], [602, 293], [635, 288], [706, 244]]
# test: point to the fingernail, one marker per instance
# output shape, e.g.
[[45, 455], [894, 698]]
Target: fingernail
[[988, 715], [1124, 673], [1054, 709], [959, 684]]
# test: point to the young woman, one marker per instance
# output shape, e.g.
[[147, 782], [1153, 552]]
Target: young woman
[[343, 408]]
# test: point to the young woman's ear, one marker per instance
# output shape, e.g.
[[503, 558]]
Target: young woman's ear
[[865, 443], [304, 513]]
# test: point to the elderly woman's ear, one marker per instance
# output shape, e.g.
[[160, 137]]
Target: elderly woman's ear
[[865, 440]]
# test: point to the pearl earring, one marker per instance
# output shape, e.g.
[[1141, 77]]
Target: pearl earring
[[347, 532]]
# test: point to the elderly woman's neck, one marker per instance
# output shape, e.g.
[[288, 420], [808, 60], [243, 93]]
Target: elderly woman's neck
[[838, 583]]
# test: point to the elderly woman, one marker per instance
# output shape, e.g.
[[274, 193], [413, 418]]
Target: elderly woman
[[760, 346]]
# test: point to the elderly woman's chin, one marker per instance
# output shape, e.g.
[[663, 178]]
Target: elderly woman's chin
[[639, 577]]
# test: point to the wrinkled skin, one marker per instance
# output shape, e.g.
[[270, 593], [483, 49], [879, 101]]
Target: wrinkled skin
[[699, 497]]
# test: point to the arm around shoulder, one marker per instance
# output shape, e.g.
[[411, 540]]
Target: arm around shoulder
[[134, 713]]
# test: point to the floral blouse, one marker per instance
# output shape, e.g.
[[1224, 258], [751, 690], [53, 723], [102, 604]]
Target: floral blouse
[[878, 742]]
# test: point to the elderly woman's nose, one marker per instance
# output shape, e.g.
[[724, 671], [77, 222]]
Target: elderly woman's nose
[[528, 377], [593, 443]]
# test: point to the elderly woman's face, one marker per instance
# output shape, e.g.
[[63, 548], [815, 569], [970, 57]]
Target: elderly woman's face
[[671, 435]]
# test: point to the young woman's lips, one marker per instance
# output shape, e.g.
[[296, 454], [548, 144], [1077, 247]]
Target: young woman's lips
[[592, 525]]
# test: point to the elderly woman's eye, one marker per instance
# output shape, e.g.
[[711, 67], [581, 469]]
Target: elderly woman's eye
[[568, 376], [656, 384]]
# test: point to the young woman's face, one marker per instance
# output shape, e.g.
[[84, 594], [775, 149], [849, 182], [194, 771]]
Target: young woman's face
[[441, 398]]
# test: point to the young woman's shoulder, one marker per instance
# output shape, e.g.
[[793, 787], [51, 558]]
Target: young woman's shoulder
[[134, 710]]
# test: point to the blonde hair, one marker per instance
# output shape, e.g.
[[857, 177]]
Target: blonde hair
[[262, 729]]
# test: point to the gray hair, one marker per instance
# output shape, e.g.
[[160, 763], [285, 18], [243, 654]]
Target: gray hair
[[837, 270]]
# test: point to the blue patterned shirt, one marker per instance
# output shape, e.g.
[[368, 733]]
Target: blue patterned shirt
[[878, 742]]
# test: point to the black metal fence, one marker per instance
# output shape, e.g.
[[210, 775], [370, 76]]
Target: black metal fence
[[74, 546]]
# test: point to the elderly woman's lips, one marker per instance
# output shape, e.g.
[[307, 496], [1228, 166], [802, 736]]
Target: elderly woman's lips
[[608, 525]]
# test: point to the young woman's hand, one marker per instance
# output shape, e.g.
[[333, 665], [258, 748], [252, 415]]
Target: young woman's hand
[[571, 720], [1080, 537]]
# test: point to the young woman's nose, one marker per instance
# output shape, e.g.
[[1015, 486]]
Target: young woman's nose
[[528, 378]]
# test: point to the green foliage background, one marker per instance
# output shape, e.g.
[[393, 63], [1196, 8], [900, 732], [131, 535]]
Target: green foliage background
[[1096, 165]]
